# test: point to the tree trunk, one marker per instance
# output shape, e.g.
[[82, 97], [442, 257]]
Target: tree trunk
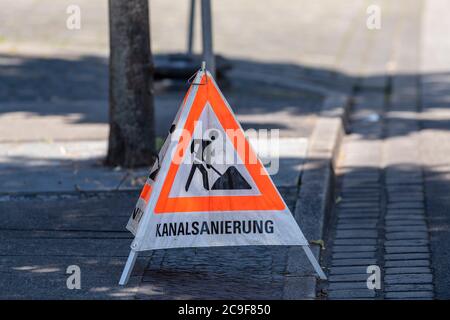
[[131, 116]]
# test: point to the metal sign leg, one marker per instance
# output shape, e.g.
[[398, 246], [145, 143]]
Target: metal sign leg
[[314, 262], [208, 54], [191, 28], [128, 268]]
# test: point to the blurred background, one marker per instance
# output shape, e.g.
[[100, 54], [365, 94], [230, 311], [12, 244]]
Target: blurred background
[[42, 60], [283, 60]]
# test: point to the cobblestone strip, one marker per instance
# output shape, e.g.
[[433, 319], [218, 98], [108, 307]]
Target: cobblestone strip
[[407, 254], [359, 212], [381, 183], [380, 218], [407, 271]]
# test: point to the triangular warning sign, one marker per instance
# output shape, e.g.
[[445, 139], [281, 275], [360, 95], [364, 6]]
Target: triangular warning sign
[[209, 188]]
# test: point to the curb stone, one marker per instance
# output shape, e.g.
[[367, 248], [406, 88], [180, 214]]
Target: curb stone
[[315, 194]]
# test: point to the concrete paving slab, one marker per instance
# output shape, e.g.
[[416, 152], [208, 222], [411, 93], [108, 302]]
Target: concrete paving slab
[[74, 166]]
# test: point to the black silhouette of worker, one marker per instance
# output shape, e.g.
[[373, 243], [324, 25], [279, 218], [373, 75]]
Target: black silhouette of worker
[[231, 179], [201, 159]]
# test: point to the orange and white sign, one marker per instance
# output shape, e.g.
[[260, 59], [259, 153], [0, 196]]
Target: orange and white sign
[[210, 188]]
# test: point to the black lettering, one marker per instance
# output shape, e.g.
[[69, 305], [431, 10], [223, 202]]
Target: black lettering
[[180, 229], [195, 228], [205, 228], [228, 227], [214, 227], [165, 230], [188, 232], [173, 229], [269, 226], [247, 224], [257, 225], [135, 212], [236, 226], [158, 233]]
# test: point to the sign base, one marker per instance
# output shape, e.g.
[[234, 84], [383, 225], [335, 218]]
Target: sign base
[[128, 268], [125, 277]]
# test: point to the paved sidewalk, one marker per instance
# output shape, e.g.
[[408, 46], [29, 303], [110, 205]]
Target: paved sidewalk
[[380, 217], [53, 92], [52, 74], [435, 140], [391, 207], [41, 236], [61, 207]]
